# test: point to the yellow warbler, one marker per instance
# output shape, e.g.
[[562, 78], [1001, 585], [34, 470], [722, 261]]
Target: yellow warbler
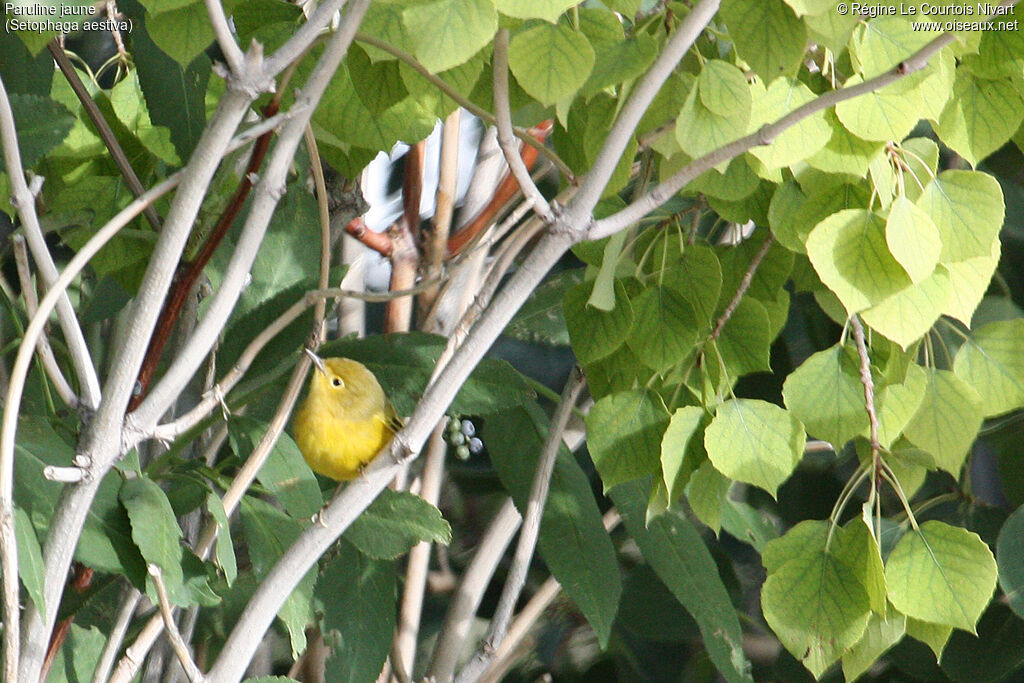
[[345, 420]]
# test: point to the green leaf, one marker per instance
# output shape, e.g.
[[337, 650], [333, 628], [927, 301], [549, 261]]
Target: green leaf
[[941, 574], [797, 142], [970, 279], [698, 279], [755, 441], [131, 110], [717, 109], [897, 403], [80, 655], [883, 42], [879, 115], [947, 421], [913, 239], [349, 121], [665, 329], [844, 152], [682, 448], [550, 62], [981, 116], [595, 333], [767, 35], [379, 85], [156, 532], [31, 569], [707, 493], [354, 584], [394, 523], [814, 597], [621, 61], [175, 94], [907, 315], [548, 10], [284, 473], [748, 524], [160, 6], [106, 541], [746, 339], [967, 208], [41, 124], [676, 552], [881, 634], [935, 636], [1010, 559], [793, 213], [992, 361], [225, 551], [849, 253], [181, 33], [447, 33], [268, 533], [826, 395], [541, 319], [573, 541], [625, 431]]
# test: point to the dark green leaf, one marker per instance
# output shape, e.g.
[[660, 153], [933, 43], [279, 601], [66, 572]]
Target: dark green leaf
[[394, 523], [285, 474], [625, 431], [269, 532], [572, 541], [358, 596], [679, 557], [42, 124]]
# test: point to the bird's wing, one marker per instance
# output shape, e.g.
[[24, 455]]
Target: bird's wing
[[390, 419]]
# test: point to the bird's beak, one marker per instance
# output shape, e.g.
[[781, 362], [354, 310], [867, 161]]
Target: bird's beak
[[318, 362]]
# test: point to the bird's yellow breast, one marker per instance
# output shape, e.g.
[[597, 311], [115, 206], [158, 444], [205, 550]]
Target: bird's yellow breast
[[336, 447]]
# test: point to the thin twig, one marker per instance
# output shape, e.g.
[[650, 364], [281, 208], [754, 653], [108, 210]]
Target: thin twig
[[177, 643], [404, 254], [868, 382], [117, 633], [528, 535], [435, 234], [529, 615], [474, 582], [28, 290], [748, 277], [404, 654], [503, 115], [225, 40], [103, 128]]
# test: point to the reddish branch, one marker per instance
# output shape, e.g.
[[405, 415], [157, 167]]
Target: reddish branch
[[506, 190], [403, 237], [189, 272]]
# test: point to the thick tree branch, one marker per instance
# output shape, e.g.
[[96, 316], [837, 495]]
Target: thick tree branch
[[269, 191], [101, 444]]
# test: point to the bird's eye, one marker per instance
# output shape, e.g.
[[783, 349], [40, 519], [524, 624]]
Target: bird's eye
[[336, 382]]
